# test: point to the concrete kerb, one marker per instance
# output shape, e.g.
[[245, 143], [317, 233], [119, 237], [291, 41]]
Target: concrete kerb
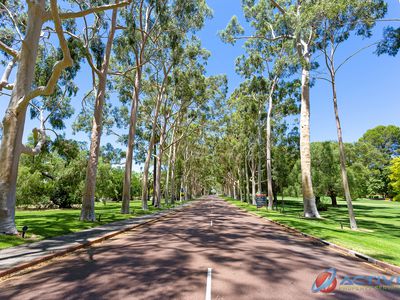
[[152, 218], [381, 264]]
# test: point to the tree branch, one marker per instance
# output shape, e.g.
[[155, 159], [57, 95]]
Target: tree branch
[[42, 131], [80, 14], [4, 79], [13, 20], [9, 50], [280, 8], [59, 66]]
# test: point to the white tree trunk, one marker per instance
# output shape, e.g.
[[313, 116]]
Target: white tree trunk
[[268, 150], [89, 193], [259, 171], [310, 207], [246, 171], [14, 119], [126, 189], [173, 160], [159, 161], [149, 154], [253, 179], [22, 93], [342, 154]]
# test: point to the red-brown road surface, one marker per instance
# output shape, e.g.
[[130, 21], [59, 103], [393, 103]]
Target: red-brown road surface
[[250, 259]]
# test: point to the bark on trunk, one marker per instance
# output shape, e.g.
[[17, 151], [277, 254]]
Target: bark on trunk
[[173, 160], [333, 200], [88, 198], [268, 150], [14, 119], [154, 173], [167, 179], [259, 172], [149, 152], [253, 179], [126, 189], [310, 207], [346, 188], [159, 161], [246, 171], [240, 184]]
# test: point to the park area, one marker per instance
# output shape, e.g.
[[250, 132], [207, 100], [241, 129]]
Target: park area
[[378, 220], [44, 224], [199, 149]]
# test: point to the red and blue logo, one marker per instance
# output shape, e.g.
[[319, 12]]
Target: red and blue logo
[[326, 282]]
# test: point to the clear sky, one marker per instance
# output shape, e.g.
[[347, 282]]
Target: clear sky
[[368, 86]]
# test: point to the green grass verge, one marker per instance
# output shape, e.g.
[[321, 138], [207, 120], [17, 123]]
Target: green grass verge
[[378, 221], [55, 222]]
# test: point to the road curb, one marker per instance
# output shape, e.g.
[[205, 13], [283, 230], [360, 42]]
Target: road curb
[[95, 240], [384, 265]]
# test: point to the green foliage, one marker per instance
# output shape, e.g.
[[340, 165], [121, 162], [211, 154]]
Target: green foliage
[[385, 139], [55, 222], [391, 42], [56, 176], [325, 169], [395, 176], [378, 222]]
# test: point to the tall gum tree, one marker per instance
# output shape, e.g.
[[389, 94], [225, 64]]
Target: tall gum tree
[[342, 18], [142, 32], [289, 21], [100, 74], [23, 92]]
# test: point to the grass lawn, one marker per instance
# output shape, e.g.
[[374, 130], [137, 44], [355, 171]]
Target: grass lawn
[[378, 221], [55, 222]]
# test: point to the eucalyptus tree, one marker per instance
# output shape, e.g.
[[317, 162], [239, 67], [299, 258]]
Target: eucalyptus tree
[[272, 61], [147, 26], [24, 28], [98, 56], [134, 50], [294, 21], [341, 18], [190, 93], [244, 125]]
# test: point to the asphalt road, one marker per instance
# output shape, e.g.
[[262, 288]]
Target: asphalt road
[[249, 259]]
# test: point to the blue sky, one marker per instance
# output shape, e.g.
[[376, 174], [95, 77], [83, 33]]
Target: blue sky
[[368, 86]]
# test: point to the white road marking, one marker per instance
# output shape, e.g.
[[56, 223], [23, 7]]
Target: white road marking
[[208, 287]]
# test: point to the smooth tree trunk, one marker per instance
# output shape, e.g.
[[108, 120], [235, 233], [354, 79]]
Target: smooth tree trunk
[[14, 119], [234, 189], [240, 184], [88, 199], [253, 179], [154, 173], [259, 170], [310, 207], [159, 161], [246, 171], [167, 178], [346, 188], [268, 149], [126, 188], [157, 200], [173, 160], [145, 178], [89, 193]]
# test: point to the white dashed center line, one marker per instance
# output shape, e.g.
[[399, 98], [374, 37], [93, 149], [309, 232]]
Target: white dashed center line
[[208, 287]]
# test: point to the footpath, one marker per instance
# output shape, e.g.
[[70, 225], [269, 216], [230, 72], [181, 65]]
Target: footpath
[[18, 258]]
